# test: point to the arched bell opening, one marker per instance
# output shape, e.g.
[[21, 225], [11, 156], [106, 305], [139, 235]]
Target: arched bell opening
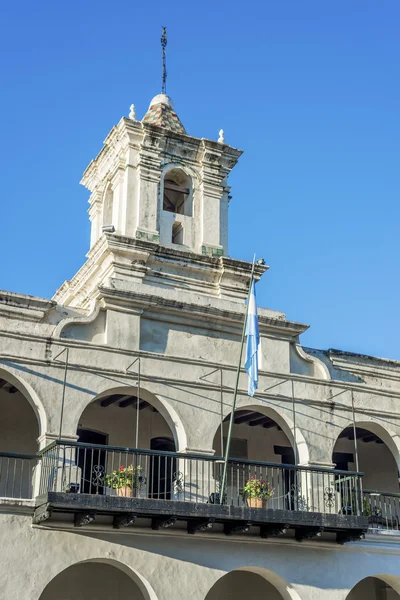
[[177, 192]]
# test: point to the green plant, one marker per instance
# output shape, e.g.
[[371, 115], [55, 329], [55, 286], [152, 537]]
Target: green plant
[[125, 476], [257, 488], [371, 511], [366, 508]]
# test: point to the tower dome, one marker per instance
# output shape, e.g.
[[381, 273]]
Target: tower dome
[[161, 112]]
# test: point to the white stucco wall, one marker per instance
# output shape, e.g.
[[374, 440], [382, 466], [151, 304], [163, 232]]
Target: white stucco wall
[[181, 566]]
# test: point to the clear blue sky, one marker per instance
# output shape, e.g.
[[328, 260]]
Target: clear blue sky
[[309, 89]]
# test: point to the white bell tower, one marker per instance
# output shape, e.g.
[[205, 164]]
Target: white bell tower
[[153, 182], [159, 213]]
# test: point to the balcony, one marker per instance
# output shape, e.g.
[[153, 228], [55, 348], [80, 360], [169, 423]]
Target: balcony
[[87, 481], [16, 472], [382, 510]]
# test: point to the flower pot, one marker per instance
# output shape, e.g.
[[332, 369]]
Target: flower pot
[[256, 502], [126, 491]]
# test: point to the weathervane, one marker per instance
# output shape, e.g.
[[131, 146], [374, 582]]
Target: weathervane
[[164, 66]]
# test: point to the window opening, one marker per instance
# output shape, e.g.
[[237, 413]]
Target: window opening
[[177, 233], [177, 193]]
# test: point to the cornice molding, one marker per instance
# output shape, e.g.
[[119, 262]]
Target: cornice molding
[[24, 307], [266, 324], [8, 359]]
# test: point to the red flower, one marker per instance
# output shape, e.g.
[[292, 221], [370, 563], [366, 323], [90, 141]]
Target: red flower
[[122, 468]]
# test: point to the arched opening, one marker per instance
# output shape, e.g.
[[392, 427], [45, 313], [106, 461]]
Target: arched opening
[[258, 435], [177, 233], [378, 587], [97, 579], [108, 207], [177, 196], [251, 582], [111, 421], [381, 498], [19, 431]]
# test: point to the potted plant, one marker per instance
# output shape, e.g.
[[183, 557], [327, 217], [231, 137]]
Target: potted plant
[[257, 492], [127, 480]]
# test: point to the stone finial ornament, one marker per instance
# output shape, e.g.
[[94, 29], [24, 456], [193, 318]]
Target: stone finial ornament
[[221, 138], [132, 114]]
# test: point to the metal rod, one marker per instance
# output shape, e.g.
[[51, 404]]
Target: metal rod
[[66, 350], [137, 407], [137, 360], [164, 60], [359, 480], [354, 430], [204, 378], [296, 458], [222, 412], [228, 440]]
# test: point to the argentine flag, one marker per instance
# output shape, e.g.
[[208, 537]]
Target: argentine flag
[[252, 342]]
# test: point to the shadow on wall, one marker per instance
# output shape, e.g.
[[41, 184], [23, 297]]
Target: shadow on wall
[[156, 336], [226, 556]]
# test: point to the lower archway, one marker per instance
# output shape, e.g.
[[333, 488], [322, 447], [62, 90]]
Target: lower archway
[[251, 582], [19, 431], [379, 587], [99, 580]]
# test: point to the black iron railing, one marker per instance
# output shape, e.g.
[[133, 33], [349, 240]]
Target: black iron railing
[[114, 471], [382, 510], [16, 472]]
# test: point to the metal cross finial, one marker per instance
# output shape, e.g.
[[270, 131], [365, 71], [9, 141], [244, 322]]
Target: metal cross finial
[[164, 65]]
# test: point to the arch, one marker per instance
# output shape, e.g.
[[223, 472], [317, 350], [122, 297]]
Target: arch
[[177, 189], [30, 395], [145, 590], [284, 422], [378, 454], [162, 406], [274, 583], [385, 433], [366, 590]]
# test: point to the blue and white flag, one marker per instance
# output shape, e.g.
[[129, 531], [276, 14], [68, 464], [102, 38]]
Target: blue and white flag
[[252, 342]]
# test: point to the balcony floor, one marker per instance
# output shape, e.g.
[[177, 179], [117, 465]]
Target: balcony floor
[[199, 516]]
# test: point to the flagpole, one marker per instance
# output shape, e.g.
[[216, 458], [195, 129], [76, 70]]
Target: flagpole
[[228, 439]]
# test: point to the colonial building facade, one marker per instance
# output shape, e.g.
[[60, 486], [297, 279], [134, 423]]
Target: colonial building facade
[[116, 395]]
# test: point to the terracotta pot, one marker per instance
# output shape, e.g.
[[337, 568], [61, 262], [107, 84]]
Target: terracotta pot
[[256, 502], [126, 492]]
